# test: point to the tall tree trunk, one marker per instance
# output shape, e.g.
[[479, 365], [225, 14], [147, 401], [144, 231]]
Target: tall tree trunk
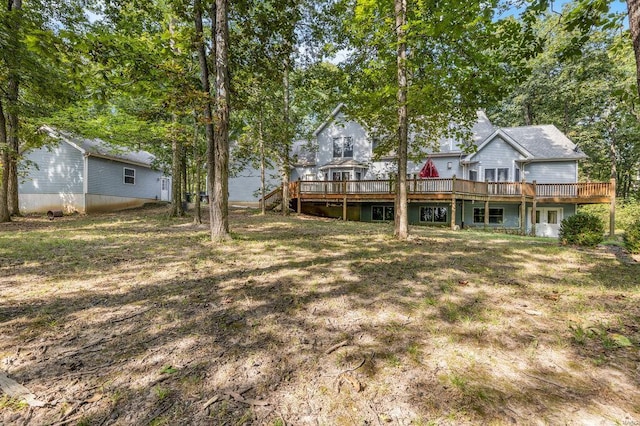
[[13, 93], [176, 171], [220, 224], [633, 7], [263, 203], [197, 161], [401, 210], [5, 216], [208, 114], [286, 167]]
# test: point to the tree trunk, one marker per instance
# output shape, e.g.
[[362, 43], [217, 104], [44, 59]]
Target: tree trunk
[[220, 223], [401, 213], [263, 202], [286, 167], [5, 216], [176, 171], [13, 93], [208, 114], [633, 7], [197, 161]]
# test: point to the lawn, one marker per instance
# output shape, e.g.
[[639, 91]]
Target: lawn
[[135, 318]]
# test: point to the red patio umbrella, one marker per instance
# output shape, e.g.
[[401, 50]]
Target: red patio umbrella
[[429, 170]]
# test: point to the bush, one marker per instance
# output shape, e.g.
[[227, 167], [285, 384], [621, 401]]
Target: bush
[[632, 237], [582, 229]]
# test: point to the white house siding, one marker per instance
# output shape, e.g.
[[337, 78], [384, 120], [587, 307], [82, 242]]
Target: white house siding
[[339, 128], [494, 155], [305, 173], [244, 187], [56, 184], [552, 172], [442, 166], [107, 190]]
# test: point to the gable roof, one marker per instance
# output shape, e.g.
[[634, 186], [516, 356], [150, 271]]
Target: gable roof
[[99, 148], [545, 142], [329, 119], [507, 138]]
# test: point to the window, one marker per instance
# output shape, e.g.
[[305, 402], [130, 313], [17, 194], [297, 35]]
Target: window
[[163, 184], [503, 175], [343, 147], [473, 175], [517, 175], [496, 216], [433, 214], [380, 213], [129, 176], [490, 175], [552, 217]]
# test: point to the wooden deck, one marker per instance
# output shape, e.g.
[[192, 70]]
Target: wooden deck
[[451, 189]]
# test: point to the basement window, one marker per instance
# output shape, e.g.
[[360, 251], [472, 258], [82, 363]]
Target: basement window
[[433, 214], [382, 213], [129, 176], [495, 215]]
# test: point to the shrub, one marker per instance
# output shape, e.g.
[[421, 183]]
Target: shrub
[[582, 229], [632, 237]]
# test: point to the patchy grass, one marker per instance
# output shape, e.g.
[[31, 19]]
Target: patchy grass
[[135, 318]]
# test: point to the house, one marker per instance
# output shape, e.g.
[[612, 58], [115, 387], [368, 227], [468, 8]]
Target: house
[[88, 175], [514, 175]]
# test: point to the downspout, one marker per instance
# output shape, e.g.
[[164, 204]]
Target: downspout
[[85, 181]]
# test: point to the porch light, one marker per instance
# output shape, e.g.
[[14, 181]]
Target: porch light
[[449, 165]]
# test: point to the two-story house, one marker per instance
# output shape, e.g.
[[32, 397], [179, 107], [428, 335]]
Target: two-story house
[[520, 178]]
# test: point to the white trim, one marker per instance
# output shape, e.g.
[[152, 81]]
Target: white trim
[[124, 176]]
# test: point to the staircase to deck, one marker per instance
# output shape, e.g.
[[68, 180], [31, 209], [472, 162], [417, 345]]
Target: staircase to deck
[[273, 199]]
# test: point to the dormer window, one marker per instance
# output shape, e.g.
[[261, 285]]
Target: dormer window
[[343, 147]]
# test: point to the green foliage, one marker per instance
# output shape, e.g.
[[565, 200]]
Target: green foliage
[[582, 229], [590, 96], [632, 237]]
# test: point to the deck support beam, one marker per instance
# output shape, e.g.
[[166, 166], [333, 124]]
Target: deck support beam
[[344, 207], [486, 213], [453, 204], [612, 208]]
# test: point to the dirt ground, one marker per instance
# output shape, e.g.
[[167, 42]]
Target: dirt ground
[[134, 318]]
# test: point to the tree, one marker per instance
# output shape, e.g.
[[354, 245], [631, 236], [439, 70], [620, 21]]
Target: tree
[[415, 69], [37, 74], [590, 95], [220, 202]]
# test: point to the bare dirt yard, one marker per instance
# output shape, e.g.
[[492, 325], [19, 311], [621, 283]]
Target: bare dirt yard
[[133, 318]]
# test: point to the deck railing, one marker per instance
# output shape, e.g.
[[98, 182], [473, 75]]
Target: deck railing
[[581, 190]]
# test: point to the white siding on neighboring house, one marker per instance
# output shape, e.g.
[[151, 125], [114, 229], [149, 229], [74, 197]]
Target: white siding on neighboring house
[[244, 187], [56, 183], [552, 172], [59, 170], [106, 177]]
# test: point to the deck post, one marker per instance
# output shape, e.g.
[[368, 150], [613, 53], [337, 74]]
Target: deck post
[[523, 210], [486, 213], [344, 200], [612, 208], [298, 191], [533, 209], [453, 203]]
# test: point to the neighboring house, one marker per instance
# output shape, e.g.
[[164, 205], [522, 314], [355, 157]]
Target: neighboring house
[[86, 176], [512, 173]]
